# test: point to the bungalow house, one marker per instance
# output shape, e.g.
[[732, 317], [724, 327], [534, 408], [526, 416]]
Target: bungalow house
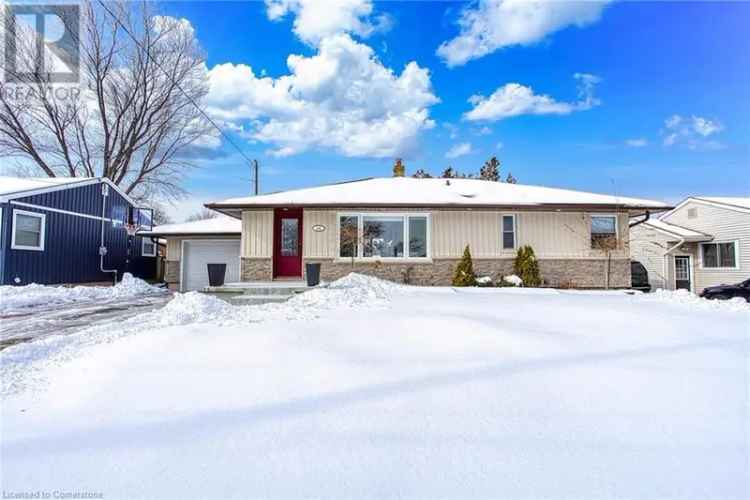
[[414, 230], [703, 241], [70, 230]]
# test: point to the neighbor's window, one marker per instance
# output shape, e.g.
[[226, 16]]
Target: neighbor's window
[[148, 248], [719, 254], [28, 230], [603, 231], [383, 236], [509, 232]]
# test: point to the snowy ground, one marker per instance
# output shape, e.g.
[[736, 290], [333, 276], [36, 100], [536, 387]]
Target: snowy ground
[[368, 390], [35, 311]]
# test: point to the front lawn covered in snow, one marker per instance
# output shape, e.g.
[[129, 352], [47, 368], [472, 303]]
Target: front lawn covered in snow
[[367, 389]]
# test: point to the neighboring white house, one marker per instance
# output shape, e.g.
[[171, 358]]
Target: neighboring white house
[[703, 241]]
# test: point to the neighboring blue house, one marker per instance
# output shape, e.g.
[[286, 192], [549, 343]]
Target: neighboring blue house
[[55, 230]]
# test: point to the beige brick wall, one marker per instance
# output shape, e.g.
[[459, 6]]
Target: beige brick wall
[[575, 273], [256, 269]]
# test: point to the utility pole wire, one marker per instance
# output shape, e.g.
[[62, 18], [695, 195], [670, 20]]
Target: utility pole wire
[[177, 85]]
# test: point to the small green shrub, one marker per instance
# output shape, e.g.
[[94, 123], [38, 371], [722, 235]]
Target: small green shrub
[[464, 275], [526, 267]]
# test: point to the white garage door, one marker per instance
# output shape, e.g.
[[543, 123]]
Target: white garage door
[[196, 254]]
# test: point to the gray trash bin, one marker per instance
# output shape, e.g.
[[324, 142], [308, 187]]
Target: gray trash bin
[[312, 271]]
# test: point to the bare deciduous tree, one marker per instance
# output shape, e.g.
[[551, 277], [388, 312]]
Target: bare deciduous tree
[[132, 118], [202, 214]]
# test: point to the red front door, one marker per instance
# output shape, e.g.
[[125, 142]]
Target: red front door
[[287, 242]]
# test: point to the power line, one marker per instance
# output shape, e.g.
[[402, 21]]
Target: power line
[[179, 87]]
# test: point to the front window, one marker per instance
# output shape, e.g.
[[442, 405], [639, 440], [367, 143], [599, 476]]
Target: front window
[[603, 232], [348, 236], [718, 255], [383, 236], [148, 248], [28, 230]]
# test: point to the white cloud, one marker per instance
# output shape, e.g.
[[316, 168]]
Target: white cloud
[[706, 127], [692, 133], [315, 20], [342, 98], [514, 99], [636, 143], [459, 150], [499, 145], [483, 131], [490, 25]]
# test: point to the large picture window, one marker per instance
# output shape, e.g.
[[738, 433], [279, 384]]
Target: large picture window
[[383, 236], [719, 255], [603, 232], [28, 230]]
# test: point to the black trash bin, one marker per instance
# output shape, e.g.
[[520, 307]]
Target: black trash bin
[[216, 274], [312, 271]]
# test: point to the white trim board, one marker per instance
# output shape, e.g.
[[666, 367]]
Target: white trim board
[[664, 216], [59, 211], [85, 181]]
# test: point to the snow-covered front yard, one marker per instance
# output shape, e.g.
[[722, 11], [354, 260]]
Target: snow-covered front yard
[[371, 390]]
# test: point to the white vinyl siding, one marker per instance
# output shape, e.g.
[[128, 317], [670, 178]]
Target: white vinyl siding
[[725, 225], [647, 246]]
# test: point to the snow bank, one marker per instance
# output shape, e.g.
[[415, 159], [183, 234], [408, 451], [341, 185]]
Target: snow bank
[[15, 299], [352, 291], [513, 280], [449, 393], [20, 363], [689, 299]]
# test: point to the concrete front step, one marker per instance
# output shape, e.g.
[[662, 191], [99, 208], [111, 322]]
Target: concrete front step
[[247, 299], [257, 289]]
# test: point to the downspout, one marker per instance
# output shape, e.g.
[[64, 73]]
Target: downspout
[[646, 217], [102, 248]]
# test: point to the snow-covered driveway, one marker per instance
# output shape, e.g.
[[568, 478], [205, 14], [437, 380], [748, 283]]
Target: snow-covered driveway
[[386, 392], [33, 312]]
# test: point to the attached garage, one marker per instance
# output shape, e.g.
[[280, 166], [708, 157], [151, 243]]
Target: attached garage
[[196, 254], [192, 245]]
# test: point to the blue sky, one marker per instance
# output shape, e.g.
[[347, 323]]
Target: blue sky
[[665, 114]]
